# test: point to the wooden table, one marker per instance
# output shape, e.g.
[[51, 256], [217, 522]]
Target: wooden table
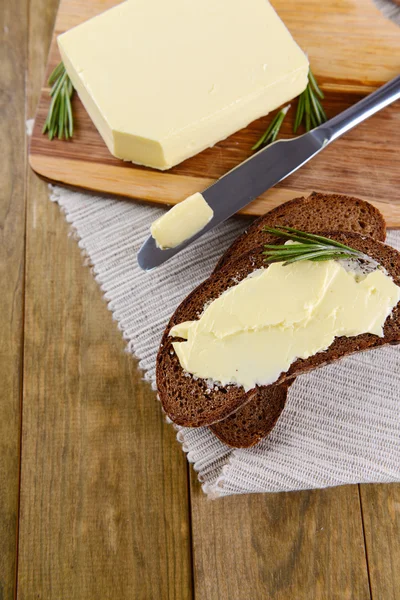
[[96, 498]]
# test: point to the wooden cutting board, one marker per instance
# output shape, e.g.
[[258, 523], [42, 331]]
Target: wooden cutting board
[[353, 50]]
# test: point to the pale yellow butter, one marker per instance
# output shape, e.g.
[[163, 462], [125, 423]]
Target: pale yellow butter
[[258, 328], [182, 222], [164, 79]]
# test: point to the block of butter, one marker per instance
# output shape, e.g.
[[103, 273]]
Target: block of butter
[[163, 80]]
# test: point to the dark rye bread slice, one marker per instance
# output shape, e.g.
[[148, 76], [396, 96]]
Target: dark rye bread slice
[[188, 401], [318, 212], [256, 419]]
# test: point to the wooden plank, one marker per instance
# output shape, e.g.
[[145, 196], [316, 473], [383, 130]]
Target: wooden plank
[[381, 513], [104, 508], [278, 546], [347, 71], [13, 34], [104, 499]]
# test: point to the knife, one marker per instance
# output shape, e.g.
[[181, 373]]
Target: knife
[[269, 166]]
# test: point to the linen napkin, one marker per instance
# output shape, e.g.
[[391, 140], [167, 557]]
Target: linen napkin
[[341, 423]]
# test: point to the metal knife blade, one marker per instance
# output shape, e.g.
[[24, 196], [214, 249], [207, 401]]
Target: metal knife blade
[[241, 186], [269, 166]]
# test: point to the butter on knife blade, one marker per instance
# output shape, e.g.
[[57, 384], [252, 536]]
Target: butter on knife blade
[[182, 222]]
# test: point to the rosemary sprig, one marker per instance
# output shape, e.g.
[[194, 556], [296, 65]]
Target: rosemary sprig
[[309, 108], [309, 247], [309, 111], [60, 121], [273, 129]]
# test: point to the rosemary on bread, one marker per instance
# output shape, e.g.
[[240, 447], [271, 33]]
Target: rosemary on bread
[[60, 121], [308, 247]]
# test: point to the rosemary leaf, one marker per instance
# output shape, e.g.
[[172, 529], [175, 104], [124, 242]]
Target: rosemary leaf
[[318, 255], [263, 139], [295, 252], [50, 123], [59, 70], [313, 121], [321, 110], [315, 85], [307, 108], [61, 117], [333, 257], [69, 121], [294, 247], [273, 129], [315, 114], [299, 113], [66, 126]]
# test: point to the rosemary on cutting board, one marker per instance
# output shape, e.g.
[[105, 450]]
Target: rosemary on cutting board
[[60, 120], [273, 129], [309, 112], [309, 107], [309, 247]]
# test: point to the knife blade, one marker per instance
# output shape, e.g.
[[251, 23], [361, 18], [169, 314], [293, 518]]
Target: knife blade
[[269, 166]]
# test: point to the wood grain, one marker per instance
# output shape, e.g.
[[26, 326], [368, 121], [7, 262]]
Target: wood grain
[[104, 499], [280, 546], [366, 162], [381, 514], [13, 44], [104, 507]]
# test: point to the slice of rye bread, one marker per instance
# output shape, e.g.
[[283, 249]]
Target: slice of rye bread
[[190, 402], [256, 419], [318, 212]]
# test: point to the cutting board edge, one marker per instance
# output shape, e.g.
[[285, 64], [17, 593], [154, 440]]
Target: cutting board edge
[[160, 194]]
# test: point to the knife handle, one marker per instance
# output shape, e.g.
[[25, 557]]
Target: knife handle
[[385, 95]]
